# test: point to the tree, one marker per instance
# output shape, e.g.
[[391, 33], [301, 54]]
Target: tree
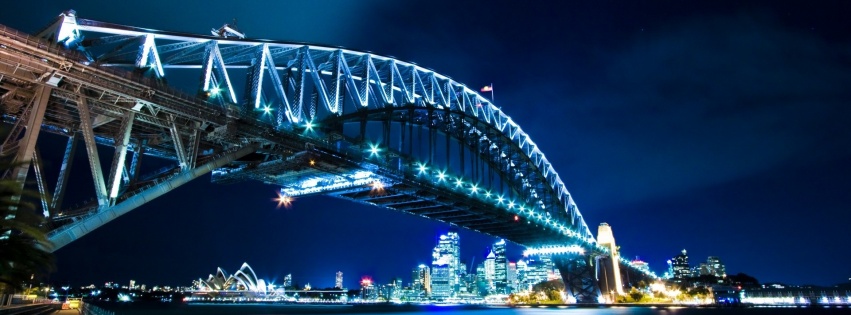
[[24, 247]]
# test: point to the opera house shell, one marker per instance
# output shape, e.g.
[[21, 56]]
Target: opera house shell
[[243, 280]]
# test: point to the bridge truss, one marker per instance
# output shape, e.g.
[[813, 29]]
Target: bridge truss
[[312, 119]]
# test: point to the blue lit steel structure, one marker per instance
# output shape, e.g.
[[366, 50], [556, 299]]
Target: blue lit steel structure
[[312, 119]]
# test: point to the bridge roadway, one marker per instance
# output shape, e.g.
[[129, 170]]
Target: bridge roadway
[[53, 83]]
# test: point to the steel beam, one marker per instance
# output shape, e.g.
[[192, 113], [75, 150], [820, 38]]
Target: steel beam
[[121, 142], [178, 144], [44, 195], [136, 164], [64, 172], [26, 146], [92, 150], [74, 231]]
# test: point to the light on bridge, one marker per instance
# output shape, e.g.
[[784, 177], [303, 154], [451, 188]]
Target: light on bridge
[[499, 199], [549, 250], [284, 200], [422, 168], [459, 182], [373, 150], [441, 176], [308, 126], [215, 91], [474, 188], [267, 109]]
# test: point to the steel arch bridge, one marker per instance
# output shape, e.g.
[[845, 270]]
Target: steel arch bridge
[[312, 119]]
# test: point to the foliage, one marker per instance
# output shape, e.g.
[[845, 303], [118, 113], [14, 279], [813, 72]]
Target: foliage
[[23, 242], [546, 292]]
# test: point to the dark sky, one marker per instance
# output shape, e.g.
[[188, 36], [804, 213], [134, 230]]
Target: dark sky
[[721, 127]]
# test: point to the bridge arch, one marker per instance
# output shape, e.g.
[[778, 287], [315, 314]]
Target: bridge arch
[[288, 127]]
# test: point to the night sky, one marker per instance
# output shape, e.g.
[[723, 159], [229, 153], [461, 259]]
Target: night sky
[[721, 127]]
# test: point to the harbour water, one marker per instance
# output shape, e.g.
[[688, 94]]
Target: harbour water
[[261, 309]]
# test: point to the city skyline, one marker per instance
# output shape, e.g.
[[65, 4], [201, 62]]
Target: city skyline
[[682, 125]]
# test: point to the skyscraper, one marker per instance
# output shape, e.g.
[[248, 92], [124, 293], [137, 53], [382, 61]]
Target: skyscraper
[[421, 280], [490, 270], [288, 281], [448, 252], [716, 268], [680, 267], [500, 268], [339, 281]]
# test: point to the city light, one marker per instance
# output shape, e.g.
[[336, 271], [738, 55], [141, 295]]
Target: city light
[[499, 199], [474, 188], [308, 126], [215, 91], [267, 109], [422, 168], [459, 182], [441, 176]]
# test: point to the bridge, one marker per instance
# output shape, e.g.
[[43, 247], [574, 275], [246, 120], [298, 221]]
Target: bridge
[[310, 119]]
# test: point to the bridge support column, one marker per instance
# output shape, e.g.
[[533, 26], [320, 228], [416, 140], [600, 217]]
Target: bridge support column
[[578, 275], [78, 229], [87, 130]]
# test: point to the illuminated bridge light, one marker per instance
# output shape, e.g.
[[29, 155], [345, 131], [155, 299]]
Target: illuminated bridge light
[[267, 109], [459, 182], [441, 176], [422, 167], [374, 150], [474, 188], [510, 204], [308, 125], [500, 199], [550, 250], [215, 91], [487, 194]]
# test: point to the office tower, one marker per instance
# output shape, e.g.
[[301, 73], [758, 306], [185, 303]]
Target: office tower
[[716, 268], [448, 251], [288, 281], [338, 283], [500, 278], [680, 268]]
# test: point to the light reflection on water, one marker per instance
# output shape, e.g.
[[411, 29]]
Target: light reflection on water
[[224, 309]]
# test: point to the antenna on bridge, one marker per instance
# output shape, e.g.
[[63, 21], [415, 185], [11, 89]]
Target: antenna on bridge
[[228, 31]]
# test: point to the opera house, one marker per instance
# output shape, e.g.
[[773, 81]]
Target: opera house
[[241, 284]]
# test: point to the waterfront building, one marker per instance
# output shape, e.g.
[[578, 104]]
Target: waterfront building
[[490, 266], [680, 267], [640, 265], [288, 281], [440, 281], [421, 280], [715, 267], [500, 279], [448, 252], [512, 276], [338, 283]]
